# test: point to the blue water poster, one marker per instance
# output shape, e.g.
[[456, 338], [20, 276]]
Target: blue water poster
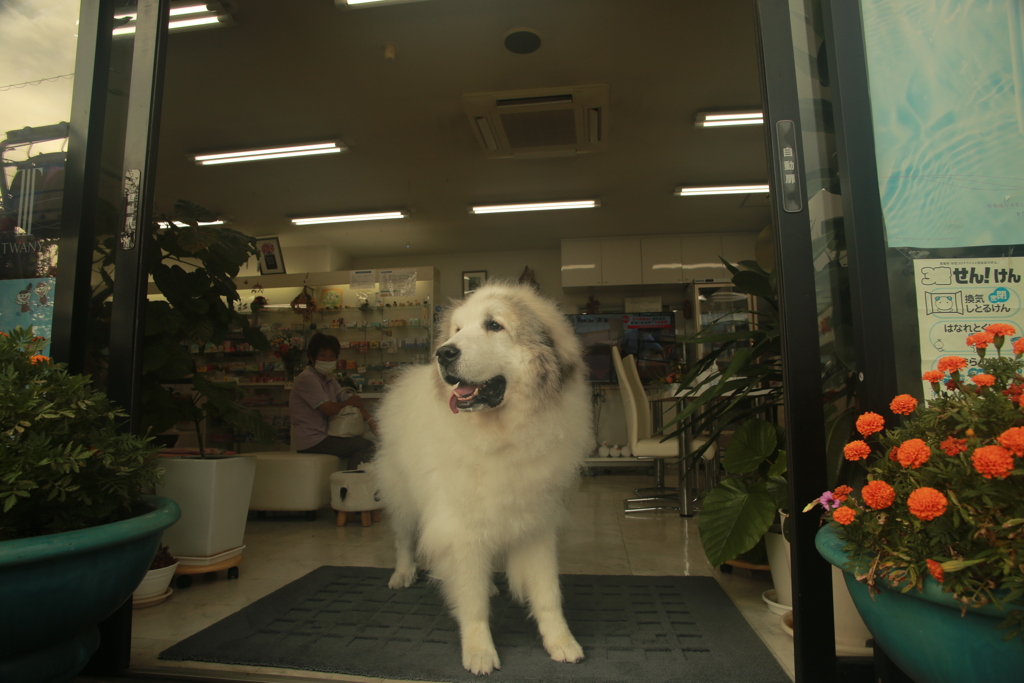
[[946, 79], [28, 302], [960, 297]]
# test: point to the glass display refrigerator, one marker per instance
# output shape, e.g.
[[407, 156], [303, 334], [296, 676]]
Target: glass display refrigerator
[[719, 309]]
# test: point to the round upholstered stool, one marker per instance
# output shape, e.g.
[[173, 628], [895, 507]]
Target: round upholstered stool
[[354, 492], [295, 482]]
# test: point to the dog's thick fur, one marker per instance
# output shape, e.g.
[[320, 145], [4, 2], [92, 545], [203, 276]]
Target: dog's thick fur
[[472, 480]]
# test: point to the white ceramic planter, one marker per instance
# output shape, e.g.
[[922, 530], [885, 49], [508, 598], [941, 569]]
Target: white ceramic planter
[[213, 494], [156, 582], [779, 564]]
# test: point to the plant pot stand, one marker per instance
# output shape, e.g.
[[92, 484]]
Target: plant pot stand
[[729, 564], [184, 573]]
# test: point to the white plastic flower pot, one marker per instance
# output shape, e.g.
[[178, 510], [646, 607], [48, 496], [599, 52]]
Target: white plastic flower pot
[[156, 582]]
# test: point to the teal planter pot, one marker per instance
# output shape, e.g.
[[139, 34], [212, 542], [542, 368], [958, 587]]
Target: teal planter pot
[[923, 632], [55, 589]]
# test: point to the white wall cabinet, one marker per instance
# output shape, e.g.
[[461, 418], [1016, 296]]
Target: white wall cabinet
[[581, 263], [653, 260], [621, 261], [662, 260], [601, 262]]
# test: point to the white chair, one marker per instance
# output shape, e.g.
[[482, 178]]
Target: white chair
[[638, 424]]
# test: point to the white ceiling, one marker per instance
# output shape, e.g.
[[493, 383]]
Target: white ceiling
[[305, 70]]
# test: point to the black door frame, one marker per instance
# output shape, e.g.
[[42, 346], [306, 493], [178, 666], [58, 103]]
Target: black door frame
[[78, 231]]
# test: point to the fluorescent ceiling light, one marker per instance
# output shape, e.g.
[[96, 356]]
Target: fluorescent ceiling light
[[580, 266], [371, 3], [349, 218], [536, 206], [268, 153], [721, 189], [729, 118], [181, 17], [683, 266], [164, 224]]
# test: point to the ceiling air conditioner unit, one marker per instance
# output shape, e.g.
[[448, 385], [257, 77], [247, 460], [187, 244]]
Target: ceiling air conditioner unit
[[542, 122]]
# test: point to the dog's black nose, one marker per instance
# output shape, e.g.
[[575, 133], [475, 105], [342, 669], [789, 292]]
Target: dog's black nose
[[447, 353]]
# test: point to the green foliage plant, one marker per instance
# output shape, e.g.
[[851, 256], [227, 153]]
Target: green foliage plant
[[944, 498], [734, 387], [65, 463], [730, 388], [193, 267]]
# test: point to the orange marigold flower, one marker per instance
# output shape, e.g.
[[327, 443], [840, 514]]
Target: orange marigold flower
[[913, 453], [1018, 346], [1013, 440], [39, 359], [983, 379], [904, 404], [878, 495], [992, 461], [870, 423], [1001, 329], [842, 492], [892, 453], [933, 376], [935, 569], [981, 340], [856, 450], [951, 364], [953, 446], [844, 515], [926, 503]]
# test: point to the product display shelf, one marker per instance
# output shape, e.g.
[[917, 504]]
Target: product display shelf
[[379, 332]]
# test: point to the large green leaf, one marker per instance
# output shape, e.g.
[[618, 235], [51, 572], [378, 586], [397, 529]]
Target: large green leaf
[[733, 519], [750, 282], [753, 443]]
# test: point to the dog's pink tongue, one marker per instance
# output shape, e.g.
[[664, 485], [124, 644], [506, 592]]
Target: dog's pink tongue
[[458, 392]]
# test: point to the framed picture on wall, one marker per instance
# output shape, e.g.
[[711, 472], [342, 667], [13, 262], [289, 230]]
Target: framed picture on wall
[[472, 279], [268, 250]]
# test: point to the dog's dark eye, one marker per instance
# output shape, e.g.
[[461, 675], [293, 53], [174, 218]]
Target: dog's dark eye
[[493, 326]]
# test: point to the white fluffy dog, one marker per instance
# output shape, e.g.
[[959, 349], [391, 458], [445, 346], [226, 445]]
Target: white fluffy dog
[[476, 456]]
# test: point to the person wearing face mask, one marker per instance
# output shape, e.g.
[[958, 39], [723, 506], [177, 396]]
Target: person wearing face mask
[[316, 397]]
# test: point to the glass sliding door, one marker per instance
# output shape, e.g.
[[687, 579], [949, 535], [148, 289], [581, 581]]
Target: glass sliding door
[[813, 273]]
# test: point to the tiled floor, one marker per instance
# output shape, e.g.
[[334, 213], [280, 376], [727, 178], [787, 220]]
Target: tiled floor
[[601, 539]]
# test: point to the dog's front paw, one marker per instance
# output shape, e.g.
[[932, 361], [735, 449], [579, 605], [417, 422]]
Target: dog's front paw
[[403, 577], [480, 660], [564, 649]]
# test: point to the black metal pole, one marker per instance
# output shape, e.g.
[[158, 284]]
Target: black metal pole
[[813, 632], [138, 180], [81, 184], [130, 270]]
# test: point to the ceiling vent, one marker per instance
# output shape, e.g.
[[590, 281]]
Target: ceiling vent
[[544, 122]]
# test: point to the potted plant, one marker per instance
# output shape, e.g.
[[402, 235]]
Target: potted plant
[[193, 266], [76, 533], [931, 546], [744, 519], [155, 586], [739, 511]]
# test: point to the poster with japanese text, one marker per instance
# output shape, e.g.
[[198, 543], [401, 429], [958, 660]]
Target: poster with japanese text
[[959, 297]]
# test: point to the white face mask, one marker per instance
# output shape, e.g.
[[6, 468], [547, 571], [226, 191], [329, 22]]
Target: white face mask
[[325, 366]]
